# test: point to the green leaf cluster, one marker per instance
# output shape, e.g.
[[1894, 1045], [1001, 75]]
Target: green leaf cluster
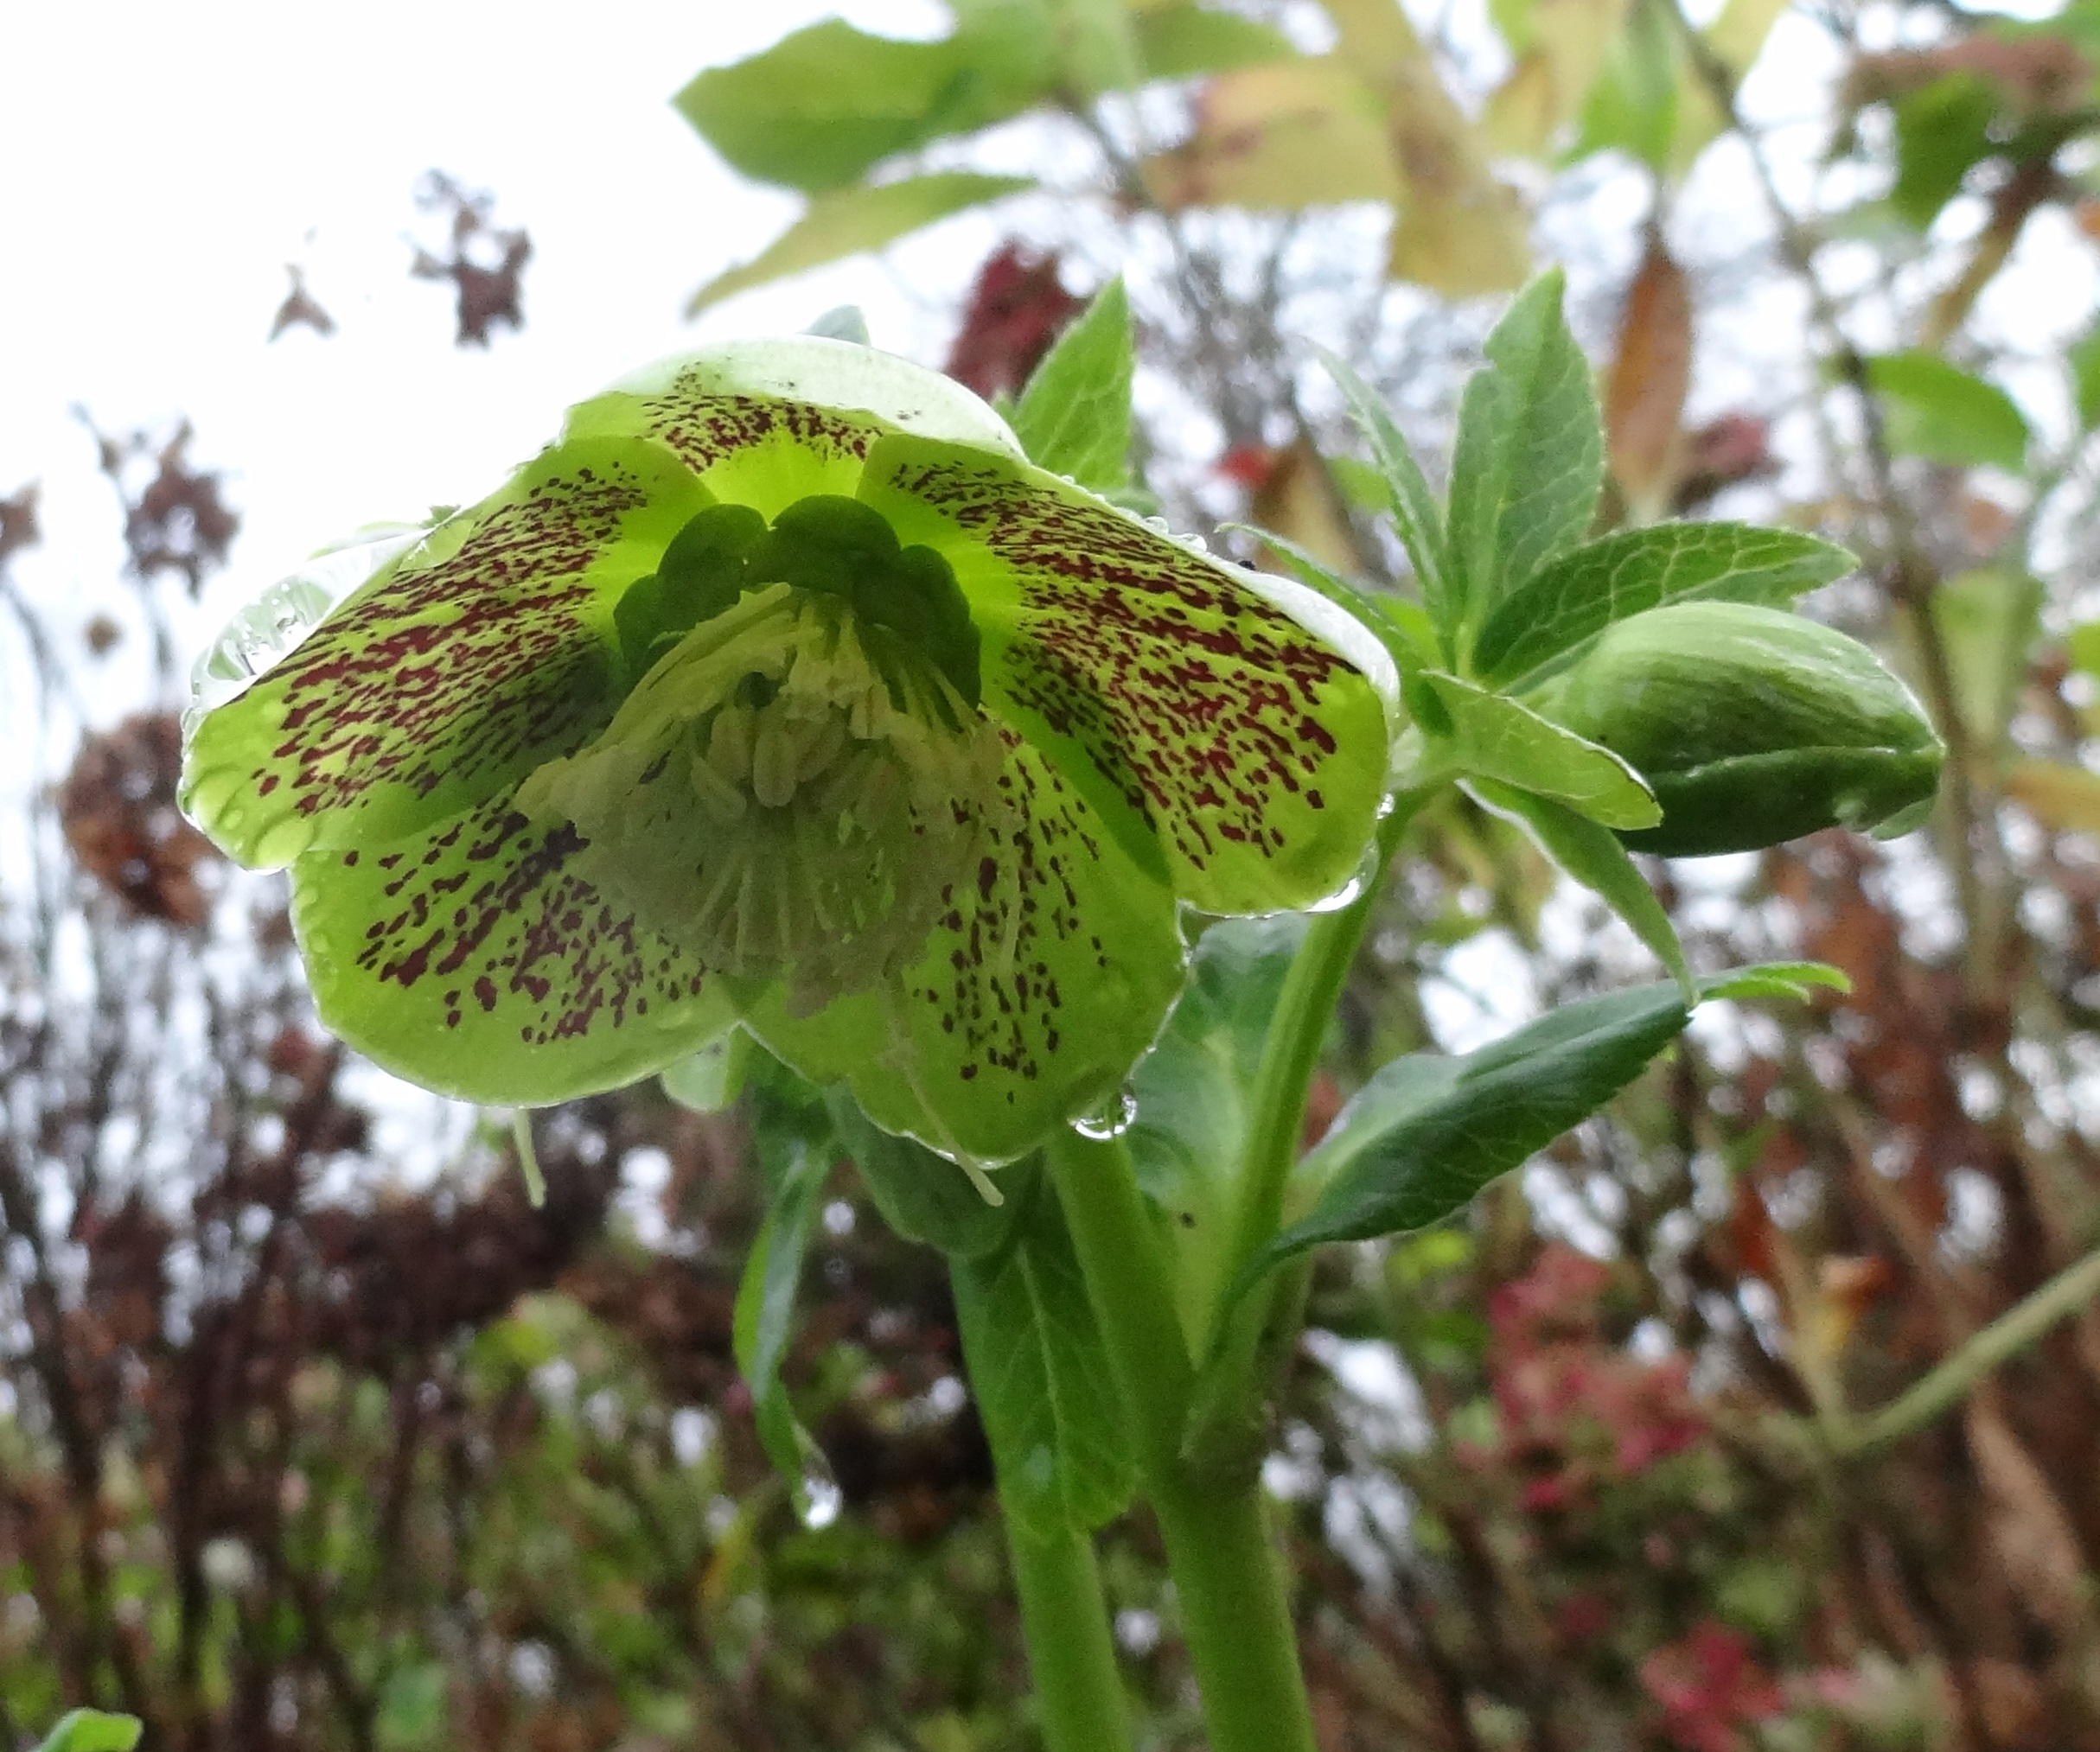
[[1513, 597], [831, 109]]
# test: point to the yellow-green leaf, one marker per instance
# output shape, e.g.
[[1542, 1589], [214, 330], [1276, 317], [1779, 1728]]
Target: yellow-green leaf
[[847, 221]]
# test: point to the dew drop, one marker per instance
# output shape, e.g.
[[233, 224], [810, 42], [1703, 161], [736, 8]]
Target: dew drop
[[1111, 1119], [262, 634], [1365, 873], [1340, 898], [817, 1496]]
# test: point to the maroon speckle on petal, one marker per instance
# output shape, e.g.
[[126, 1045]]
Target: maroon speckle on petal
[[1190, 694], [459, 669], [500, 915]]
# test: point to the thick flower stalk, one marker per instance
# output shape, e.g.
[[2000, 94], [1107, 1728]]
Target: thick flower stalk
[[783, 688]]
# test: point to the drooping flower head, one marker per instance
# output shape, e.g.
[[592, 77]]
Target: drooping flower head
[[783, 688]]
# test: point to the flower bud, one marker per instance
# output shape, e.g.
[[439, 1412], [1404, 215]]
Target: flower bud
[[1752, 726]]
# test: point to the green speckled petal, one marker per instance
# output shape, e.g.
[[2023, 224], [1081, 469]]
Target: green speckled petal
[[474, 960], [1037, 990], [765, 422], [1237, 719], [480, 655]]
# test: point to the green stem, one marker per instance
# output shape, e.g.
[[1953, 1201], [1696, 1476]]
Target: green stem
[[1226, 1417], [1071, 1654], [1304, 1009], [1945, 1386], [1236, 1616]]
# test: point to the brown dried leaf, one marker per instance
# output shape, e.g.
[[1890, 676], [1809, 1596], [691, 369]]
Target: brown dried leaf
[[2063, 799], [118, 812], [486, 265], [1651, 372], [2034, 75], [1291, 495], [1721, 453], [1287, 135], [177, 522], [18, 526], [2030, 1530], [1545, 92], [300, 306]]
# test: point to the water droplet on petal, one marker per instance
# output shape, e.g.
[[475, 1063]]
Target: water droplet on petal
[[1365, 873], [1340, 898], [1111, 1119], [264, 632]]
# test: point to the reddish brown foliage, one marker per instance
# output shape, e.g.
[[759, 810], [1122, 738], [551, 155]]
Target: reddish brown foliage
[[178, 523], [1018, 307], [486, 264], [18, 527], [118, 810], [300, 307]]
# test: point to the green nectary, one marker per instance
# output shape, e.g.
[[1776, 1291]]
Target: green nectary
[[782, 689], [1752, 726]]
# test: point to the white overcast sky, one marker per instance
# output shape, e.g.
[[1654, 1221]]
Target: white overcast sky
[[160, 164]]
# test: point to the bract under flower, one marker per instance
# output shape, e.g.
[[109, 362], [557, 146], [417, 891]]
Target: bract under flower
[[783, 688]]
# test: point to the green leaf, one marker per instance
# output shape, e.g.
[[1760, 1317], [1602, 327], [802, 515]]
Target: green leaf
[[2082, 646], [1429, 1132], [926, 1197], [92, 1731], [1547, 621], [1593, 856], [2065, 799], [1937, 411], [1470, 730], [1194, 1092], [1414, 507], [1635, 104], [827, 104], [2084, 360], [1183, 39], [1797, 980], [1074, 416], [1402, 627], [711, 1079], [1988, 621], [843, 323], [1528, 462], [1041, 1375], [1943, 131], [765, 1322], [860, 216], [412, 1707], [1096, 46]]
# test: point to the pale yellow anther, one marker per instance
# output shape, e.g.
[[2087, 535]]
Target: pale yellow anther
[[726, 801], [821, 836], [774, 759], [823, 748], [729, 743]]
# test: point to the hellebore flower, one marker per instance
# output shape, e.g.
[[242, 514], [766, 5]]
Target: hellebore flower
[[783, 689], [1752, 726]]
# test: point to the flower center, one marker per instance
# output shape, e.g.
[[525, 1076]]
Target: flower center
[[827, 544], [791, 790]]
